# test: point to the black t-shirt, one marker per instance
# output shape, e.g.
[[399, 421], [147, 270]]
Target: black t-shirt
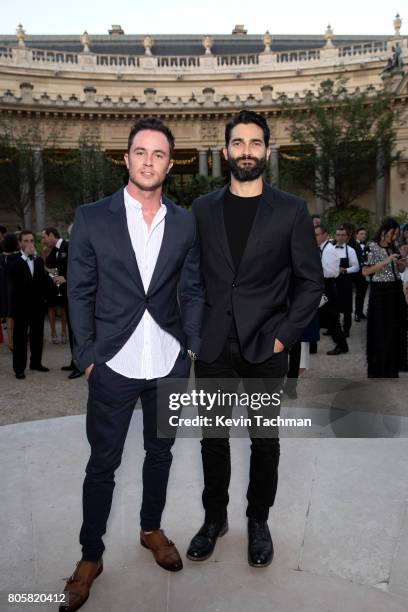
[[239, 215]]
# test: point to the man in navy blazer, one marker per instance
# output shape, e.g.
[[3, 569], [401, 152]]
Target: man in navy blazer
[[136, 301]]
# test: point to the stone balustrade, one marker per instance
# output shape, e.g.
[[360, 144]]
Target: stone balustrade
[[204, 64]]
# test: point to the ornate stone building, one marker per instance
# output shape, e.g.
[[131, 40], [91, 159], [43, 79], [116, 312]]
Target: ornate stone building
[[100, 84]]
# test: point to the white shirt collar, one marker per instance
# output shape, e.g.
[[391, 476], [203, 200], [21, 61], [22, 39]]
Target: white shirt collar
[[58, 243], [131, 201]]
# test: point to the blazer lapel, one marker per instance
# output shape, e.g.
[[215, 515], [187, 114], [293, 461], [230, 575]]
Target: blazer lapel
[[121, 238], [167, 245], [220, 225]]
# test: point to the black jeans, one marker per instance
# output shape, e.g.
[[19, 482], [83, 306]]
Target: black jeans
[[215, 452], [112, 398]]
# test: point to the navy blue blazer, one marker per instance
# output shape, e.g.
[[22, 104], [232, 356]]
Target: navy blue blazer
[[105, 290]]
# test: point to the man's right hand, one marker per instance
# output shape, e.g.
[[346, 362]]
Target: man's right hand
[[88, 371]]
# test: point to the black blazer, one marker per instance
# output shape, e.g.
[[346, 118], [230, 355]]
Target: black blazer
[[105, 291], [61, 259], [277, 288], [27, 292]]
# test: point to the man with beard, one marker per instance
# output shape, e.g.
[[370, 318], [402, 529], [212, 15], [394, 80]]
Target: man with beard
[[263, 280], [136, 299]]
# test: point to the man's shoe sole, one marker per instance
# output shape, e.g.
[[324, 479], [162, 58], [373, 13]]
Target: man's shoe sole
[[222, 532]]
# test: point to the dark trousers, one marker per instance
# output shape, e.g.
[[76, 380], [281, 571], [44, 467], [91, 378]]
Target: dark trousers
[[330, 313], [112, 398], [28, 324], [360, 285], [264, 461]]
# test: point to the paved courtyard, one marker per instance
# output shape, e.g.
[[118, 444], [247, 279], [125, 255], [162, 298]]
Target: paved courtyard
[[340, 522]]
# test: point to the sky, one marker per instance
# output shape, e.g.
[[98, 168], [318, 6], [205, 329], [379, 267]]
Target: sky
[[201, 16]]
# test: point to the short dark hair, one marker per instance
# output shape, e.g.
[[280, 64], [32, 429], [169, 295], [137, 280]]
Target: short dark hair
[[155, 124], [361, 229], [25, 232], [247, 116], [3, 229], [341, 228], [10, 243], [316, 216], [52, 230], [323, 227]]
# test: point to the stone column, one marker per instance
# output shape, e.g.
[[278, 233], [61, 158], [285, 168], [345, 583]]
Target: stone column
[[202, 162], [380, 187], [274, 165], [216, 162], [39, 189]]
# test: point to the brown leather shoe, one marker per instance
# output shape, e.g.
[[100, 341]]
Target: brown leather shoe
[[79, 584], [163, 549]]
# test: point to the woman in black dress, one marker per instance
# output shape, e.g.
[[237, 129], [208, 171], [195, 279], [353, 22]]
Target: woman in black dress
[[386, 317]]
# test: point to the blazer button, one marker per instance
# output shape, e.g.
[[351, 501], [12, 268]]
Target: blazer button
[[146, 300], [234, 285], [229, 313]]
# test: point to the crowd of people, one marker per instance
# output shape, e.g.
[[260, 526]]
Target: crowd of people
[[33, 282], [33, 285]]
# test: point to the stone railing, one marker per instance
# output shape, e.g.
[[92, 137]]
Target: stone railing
[[303, 55], [250, 59], [117, 60], [6, 52], [178, 61], [59, 57], [370, 48], [26, 57]]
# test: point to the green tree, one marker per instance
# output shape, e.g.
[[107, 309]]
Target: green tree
[[21, 149], [85, 174], [341, 138]]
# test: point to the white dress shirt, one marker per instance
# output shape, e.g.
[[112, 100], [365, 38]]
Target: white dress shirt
[[150, 351], [58, 243], [347, 251], [30, 262], [330, 261]]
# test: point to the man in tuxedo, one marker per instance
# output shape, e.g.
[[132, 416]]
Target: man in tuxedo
[[52, 239], [360, 282], [329, 313], [348, 267], [27, 281], [263, 281], [136, 301]]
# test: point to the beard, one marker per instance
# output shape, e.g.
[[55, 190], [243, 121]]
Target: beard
[[243, 174]]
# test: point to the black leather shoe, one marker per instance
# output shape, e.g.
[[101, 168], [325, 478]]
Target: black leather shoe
[[203, 543], [68, 368], [39, 368], [337, 351], [20, 375], [75, 374], [260, 546]]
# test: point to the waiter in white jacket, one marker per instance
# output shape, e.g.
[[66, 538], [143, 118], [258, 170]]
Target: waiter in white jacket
[[348, 265], [331, 271]]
